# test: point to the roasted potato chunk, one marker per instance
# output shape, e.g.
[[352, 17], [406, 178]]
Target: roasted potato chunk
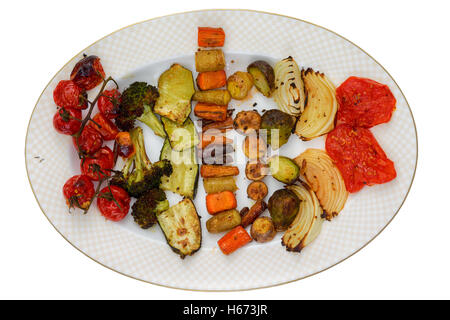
[[246, 122], [257, 190], [239, 85], [263, 230]]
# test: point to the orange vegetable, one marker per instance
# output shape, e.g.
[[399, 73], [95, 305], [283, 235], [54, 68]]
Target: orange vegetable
[[221, 201], [214, 139], [210, 37], [210, 111], [211, 80], [233, 240], [219, 125], [216, 171], [124, 144]]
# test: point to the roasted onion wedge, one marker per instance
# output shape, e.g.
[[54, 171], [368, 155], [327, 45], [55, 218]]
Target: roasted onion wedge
[[289, 92], [308, 222], [321, 107], [324, 178]]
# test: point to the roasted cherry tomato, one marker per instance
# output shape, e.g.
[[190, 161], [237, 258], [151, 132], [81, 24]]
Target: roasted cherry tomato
[[78, 192], [113, 203], [124, 144], [104, 126], [108, 103], [89, 141], [67, 120], [68, 94], [99, 164], [88, 72]]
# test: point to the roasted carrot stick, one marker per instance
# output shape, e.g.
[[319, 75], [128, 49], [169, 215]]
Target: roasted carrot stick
[[216, 171], [210, 37], [214, 139], [233, 240], [227, 123], [211, 80], [210, 111], [221, 201]]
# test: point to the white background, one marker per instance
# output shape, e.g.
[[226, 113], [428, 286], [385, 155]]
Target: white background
[[410, 259]]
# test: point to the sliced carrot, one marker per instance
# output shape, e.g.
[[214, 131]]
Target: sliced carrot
[[216, 171], [211, 37], [211, 80], [233, 240], [221, 201], [210, 111], [226, 124], [218, 138]]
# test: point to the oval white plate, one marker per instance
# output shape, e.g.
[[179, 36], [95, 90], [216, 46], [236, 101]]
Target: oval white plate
[[141, 52]]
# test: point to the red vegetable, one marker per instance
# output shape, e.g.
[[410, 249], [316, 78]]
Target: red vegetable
[[113, 203], [67, 120], [364, 102], [359, 157], [90, 140], [78, 192], [108, 103], [104, 126], [124, 144], [233, 240], [99, 165], [88, 72], [68, 94]]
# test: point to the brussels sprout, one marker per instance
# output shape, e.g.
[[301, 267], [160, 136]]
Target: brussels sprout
[[284, 169], [280, 125], [283, 207]]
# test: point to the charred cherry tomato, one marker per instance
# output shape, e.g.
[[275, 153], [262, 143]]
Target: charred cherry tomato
[[89, 141], [108, 103], [68, 94], [88, 72], [104, 126], [113, 203], [78, 192], [124, 144], [99, 164], [67, 120]]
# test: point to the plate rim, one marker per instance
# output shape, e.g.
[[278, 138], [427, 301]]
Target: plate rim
[[218, 10]]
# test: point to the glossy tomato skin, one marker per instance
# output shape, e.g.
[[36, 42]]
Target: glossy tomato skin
[[359, 157], [67, 120], [109, 103], [108, 207], [68, 94], [104, 126], [88, 72], [102, 160], [90, 140], [78, 191], [364, 102]]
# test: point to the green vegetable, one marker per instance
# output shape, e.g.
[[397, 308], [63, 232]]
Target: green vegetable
[[284, 169], [279, 127], [263, 77], [144, 210], [152, 121], [283, 207], [184, 178], [181, 136], [223, 221]]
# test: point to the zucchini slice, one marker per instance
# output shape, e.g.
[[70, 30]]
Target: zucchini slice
[[184, 177], [181, 227], [181, 136]]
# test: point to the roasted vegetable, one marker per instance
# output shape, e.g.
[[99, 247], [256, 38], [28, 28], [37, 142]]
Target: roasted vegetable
[[184, 178], [324, 178], [221, 201], [139, 175], [239, 84], [257, 190], [263, 230], [321, 107], [176, 87], [223, 221], [214, 137], [152, 121], [219, 97], [181, 136], [214, 185], [255, 211], [181, 227], [218, 125], [211, 80], [279, 127], [254, 147], [144, 210], [210, 111], [289, 94], [247, 122], [263, 77], [217, 154], [308, 222], [233, 240], [210, 37], [283, 207], [213, 171], [138, 99], [209, 60], [256, 170], [283, 169]]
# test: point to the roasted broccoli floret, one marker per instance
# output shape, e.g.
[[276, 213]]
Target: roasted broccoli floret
[[138, 101], [139, 175], [144, 210]]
